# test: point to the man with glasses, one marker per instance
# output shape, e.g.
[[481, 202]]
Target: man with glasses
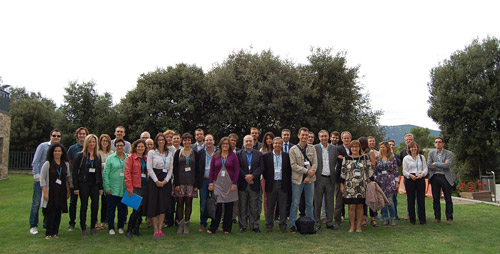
[[80, 135], [441, 177], [38, 160]]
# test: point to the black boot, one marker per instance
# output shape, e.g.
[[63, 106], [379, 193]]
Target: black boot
[[131, 224], [136, 226]]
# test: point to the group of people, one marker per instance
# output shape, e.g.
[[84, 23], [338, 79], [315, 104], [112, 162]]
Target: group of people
[[276, 175]]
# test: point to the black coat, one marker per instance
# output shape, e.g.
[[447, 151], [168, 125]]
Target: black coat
[[286, 173], [257, 165]]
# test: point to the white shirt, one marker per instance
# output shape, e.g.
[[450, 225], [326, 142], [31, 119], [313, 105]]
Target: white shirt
[[410, 165], [160, 161], [326, 160]]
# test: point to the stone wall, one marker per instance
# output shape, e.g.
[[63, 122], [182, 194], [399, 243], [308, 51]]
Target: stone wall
[[4, 144]]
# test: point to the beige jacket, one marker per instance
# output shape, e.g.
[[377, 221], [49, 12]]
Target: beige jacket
[[375, 197], [299, 169]]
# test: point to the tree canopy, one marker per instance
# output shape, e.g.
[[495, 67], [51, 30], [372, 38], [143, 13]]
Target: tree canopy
[[465, 102]]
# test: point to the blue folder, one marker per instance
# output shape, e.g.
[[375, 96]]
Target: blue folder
[[133, 201]]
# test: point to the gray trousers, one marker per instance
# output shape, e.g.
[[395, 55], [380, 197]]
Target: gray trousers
[[323, 187], [248, 208], [339, 204], [276, 198]]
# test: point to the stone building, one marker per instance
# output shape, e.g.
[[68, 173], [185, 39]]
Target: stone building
[[4, 134]]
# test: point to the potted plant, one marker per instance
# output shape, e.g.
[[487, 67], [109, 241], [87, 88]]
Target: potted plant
[[472, 190]]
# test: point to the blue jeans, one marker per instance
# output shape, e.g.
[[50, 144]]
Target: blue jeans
[[309, 196], [389, 209], [395, 201], [203, 201], [35, 204]]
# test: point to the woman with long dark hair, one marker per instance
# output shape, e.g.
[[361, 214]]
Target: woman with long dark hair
[[54, 180]]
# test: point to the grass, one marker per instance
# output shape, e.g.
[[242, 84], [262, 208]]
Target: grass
[[476, 229]]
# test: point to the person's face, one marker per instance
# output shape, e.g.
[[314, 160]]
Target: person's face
[[176, 140], [346, 139], [140, 149], [55, 137], [169, 140], [81, 135], [119, 147], [233, 141], [161, 142], [355, 150], [209, 141], [414, 150], [323, 138], [392, 145], [225, 146], [334, 139], [186, 142], [248, 142], [438, 143], [408, 139], [277, 145], [285, 136], [199, 136], [119, 133], [57, 153], [310, 138], [104, 143], [145, 136], [383, 149], [92, 144], [269, 140], [303, 136], [371, 143], [150, 144], [254, 133]]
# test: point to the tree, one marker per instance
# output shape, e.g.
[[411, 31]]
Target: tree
[[173, 98], [421, 137], [32, 119], [83, 106], [465, 102]]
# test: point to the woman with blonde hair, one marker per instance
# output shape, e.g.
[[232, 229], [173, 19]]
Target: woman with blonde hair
[[87, 181]]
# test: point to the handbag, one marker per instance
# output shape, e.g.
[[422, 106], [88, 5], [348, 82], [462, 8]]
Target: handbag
[[210, 206], [305, 225]]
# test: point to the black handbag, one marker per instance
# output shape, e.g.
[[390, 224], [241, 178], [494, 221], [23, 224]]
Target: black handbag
[[305, 225], [210, 206]]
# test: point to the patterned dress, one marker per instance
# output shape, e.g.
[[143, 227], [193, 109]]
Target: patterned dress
[[385, 174], [354, 174]]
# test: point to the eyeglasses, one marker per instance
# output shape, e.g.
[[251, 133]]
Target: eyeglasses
[[119, 145], [438, 142], [56, 136]]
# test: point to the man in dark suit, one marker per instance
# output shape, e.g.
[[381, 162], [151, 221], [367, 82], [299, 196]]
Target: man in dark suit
[[249, 188], [285, 136], [325, 179], [278, 175], [342, 150]]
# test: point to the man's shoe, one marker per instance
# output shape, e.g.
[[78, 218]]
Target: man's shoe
[[111, 232], [202, 228], [336, 226], [269, 230], [71, 228], [34, 231], [93, 231], [120, 231], [436, 221], [293, 230], [243, 230], [84, 233], [449, 222], [329, 226], [256, 230]]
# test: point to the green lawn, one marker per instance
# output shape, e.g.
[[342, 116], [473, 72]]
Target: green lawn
[[476, 229]]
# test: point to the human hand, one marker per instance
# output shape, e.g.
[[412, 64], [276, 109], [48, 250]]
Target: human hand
[[233, 188], [159, 184], [211, 187], [307, 180], [178, 188], [46, 196], [37, 180], [342, 188], [130, 194], [310, 172], [108, 192]]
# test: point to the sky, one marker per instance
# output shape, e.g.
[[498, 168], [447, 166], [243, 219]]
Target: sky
[[46, 44]]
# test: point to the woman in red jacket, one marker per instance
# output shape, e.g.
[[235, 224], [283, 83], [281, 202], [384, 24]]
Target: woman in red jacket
[[135, 181]]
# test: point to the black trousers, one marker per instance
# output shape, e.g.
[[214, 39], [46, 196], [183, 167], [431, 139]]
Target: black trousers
[[416, 188], [103, 209], [52, 221], [439, 182], [72, 208], [86, 191], [227, 224]]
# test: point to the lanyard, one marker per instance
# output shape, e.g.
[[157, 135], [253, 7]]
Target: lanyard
[[91, 163], [164, 159], [384, 163], [417, 163], [78, 147], [357, 163], [187, 157], [59, 172], [143, 165], [249, 158], [223, 161]]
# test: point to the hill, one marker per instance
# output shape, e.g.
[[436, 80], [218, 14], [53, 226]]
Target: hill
[[397, 132]]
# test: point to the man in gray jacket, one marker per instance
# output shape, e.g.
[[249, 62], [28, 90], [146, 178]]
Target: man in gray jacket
[[441, 177], [325, 179]]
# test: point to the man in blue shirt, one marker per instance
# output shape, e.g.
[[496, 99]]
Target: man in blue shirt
[[38, 160], [73, 151]]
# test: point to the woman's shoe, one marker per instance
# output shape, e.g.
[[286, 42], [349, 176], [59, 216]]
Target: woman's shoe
[[374, 223]]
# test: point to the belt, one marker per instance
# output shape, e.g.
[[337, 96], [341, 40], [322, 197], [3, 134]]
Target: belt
[[325, 176], [278, 180]]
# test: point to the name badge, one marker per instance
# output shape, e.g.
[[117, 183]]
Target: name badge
[[306, 163], [165, 170], [187, 169], [384, 172], [91, 170], [249, 168], [223, 173], [357, 174], [122, 174], [143, 175], [58, 181]]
